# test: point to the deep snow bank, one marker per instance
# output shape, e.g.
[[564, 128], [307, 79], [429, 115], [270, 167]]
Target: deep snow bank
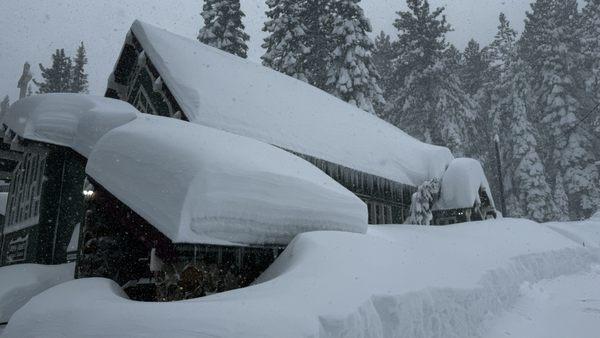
[[18, 283], [586, 233], [567, 306], [394, 281]]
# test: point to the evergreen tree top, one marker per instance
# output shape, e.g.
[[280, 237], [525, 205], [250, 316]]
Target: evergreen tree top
[[422, 33], [57, 79], [501, 49], [79, 81], [223, 27]]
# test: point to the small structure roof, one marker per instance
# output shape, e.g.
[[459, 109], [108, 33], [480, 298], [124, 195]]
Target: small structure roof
[[461, 184], [201, 185], [222, 91], [71, 120]]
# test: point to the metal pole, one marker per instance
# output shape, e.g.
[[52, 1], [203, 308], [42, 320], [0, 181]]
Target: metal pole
[[500, 179]]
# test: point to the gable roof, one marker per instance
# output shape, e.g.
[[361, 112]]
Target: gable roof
[[219, 90]]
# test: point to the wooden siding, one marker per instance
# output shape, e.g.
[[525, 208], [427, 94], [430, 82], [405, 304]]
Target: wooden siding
[[45, 202]]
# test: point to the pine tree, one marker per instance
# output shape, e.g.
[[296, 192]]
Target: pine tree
[[79, 80], [56, 79], [317, 18], [383, 55], [499, 54], [223, 27], [561, 199], [351, 72], [528, 193], [286, 45], [501, 50], [428, 102], [473, 68], [552, 49], [588, 33], [422, 201], [453, 59]]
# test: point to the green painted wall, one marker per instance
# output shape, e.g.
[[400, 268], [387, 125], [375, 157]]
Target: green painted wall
[[61, 206]]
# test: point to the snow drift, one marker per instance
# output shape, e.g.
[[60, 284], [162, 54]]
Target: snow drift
[[201, 185], [71, 120], [395, 281], [222, 91], [19, 283]]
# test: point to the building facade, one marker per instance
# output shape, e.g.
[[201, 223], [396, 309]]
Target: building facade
[[44, 204]]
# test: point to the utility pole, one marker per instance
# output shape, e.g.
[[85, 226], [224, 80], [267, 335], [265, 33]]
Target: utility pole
[[500, 179]]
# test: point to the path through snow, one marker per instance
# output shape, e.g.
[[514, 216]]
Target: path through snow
[[567, 306]]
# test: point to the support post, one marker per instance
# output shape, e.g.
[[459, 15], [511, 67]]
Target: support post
[[500, 178]]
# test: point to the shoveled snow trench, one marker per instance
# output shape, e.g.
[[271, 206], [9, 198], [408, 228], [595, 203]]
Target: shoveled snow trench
[[395, 281]]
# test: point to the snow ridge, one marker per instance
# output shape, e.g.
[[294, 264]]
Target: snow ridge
[[450, 312]]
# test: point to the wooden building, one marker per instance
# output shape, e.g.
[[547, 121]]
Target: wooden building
[[44, 151], [179, 210], [163, 74], [42, 207]]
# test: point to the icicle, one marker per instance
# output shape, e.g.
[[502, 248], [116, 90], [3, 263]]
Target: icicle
[[157, 86], [141, 59], [16, 144], [156, 263], [7, 136]]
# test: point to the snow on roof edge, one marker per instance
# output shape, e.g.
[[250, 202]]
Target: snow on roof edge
[[70, 120], [217, 187]]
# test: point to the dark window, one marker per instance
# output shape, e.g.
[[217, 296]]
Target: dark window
[[17, 249], [24, 201]]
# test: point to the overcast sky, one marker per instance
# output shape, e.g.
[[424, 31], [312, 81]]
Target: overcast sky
[[32, 29]]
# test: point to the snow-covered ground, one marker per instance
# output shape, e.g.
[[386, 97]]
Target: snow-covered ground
[[465, 280], [568, 306], [18, 283]]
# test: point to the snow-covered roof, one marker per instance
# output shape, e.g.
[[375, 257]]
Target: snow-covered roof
[[201, 185], [71, 120], [461, 184], [219, 90]]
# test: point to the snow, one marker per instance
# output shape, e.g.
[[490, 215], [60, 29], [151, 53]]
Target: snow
[[70, 120], [201, 185], [19, 283], [219, 90], [406, 281], [460, 185], [568, 306]]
